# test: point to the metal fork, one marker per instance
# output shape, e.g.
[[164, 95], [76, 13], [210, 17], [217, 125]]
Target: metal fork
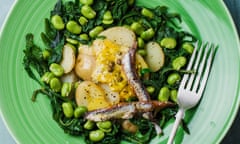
[[192, 85]]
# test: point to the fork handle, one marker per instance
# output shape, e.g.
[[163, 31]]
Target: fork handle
[[179, 117]]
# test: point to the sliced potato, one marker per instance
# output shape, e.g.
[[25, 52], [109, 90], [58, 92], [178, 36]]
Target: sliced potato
[[85, 66], [121, 35], [86, 49], [69, 77], [141, 64], [155, 56], [68, 58], [90, 95], [112, 97]]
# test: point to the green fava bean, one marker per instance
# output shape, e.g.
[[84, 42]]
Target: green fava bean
[[56, 69], [140, 42], [173, 78], [104, 125], [46, 54], [84, 36], [57, 22], [147, 13], [88, 12], [47, 77], [80, 111], [96, 135], [94, 32], [107, 15], [150, 89], [67, 109], [89, 125], [164, 94], [137, 28], [188, 47], [86, 2], [107, 22], [168, 42], [173, 95], [66, 89], [55, 84], [82, 20], [179, 62], [73, 27], [148, 34], [142, 52]]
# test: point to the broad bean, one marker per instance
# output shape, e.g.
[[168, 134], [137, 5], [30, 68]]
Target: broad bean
[[88, 12], [147, 13], [140, 42], [173, 95], [173, 78], [188, 47], [89, 125], [47, 77], [56, 69], [86, 2], [164, 94], [104, 125], [142, 52], [95, 31], [83, 21], [137, 28], [179, 62], [72, 41], [46, 54], [57, 22], [84, 36], [80, 111], [168, 42], [148, 34], [55, 84], [73, 27], [150, 89], [96, 135], [66, 89], [67, 109]]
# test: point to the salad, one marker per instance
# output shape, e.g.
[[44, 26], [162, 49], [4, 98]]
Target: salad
[[110, 68]]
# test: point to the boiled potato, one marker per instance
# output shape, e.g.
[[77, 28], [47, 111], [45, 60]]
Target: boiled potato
[[121, 35], [155, 56], [111, 96], [68, 58], [86, 49], [141, 64], [69, 77], [90, 95], [85, 65]]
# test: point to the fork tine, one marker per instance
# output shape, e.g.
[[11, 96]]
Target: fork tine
[[200, 70], [207, 70], [191, 62], [199, 55]]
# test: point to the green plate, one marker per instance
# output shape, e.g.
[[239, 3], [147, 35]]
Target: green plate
[[31, 122]]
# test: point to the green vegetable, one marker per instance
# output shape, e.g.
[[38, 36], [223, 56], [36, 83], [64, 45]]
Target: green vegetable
[[188, 47], [88, 12], [94, 32], [56, 69], [86, 2], [173, 78], [57, 22], [47, 77], [66, 89], [73, 27], [173, 95], [96, 135], [46, 54], [140, 42], [55, 84], [82, 20], [179, 62], [164, 94], [89, 125], [80, 111], [142, 52], [150, 89], [148, 34], [67, 109], [147, 13], [168, 42], [137, 28]]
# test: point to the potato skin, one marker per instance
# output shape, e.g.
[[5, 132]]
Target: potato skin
[[85, 66], [155, 56], [69, 58]]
